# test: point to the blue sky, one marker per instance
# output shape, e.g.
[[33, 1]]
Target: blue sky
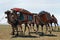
[[52, 6]]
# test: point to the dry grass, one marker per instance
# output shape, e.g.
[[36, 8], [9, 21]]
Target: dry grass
[[5, 34]]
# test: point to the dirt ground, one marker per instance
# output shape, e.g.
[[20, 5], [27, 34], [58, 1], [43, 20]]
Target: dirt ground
[[5, 34]]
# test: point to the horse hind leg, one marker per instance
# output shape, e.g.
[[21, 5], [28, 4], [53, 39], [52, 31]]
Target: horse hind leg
[[21, 29], [55, 25], [37, 28], [58, 26], [47, 29], [51, 26], [42, 29]]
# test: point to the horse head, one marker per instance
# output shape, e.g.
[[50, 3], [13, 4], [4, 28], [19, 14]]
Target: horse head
[[7, 12], [9, 17], [53, 15]]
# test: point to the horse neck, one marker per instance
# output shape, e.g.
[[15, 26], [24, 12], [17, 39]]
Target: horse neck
[[54, 18], [15, 15]]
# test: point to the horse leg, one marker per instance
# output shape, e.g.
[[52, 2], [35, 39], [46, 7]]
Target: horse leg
[[37, 28], [28, 29], [33, 27], [13, 30], [42, 29], [51, 26], [58, 26], [55, 25], [30, 26], [46, 28], [21, 29], [25, 28], [16, 30]]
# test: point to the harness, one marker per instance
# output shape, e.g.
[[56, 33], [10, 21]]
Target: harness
[[30, 18]]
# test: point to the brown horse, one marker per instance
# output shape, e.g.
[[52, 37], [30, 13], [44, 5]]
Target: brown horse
[[23, 17], [11, 21], [38, 19], [45, 18]]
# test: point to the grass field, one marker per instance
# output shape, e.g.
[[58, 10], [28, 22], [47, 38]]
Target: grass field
[[5, 34]]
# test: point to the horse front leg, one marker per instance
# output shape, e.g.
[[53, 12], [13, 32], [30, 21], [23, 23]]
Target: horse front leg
[[25, 28], [13, 30], [16, 30], [28, 29], [21, 29]]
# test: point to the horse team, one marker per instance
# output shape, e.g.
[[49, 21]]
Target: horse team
[[19, 16]]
